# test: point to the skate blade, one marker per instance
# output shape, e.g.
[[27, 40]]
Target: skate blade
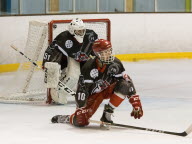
[[105, 126]]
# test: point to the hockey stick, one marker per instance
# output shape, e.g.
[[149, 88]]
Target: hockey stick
[[185, 133], [62, 86]]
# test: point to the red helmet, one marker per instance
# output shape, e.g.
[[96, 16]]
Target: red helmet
[[101, 45], [103, 50]]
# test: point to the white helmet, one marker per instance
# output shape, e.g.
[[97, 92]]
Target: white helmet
[[77, 28]]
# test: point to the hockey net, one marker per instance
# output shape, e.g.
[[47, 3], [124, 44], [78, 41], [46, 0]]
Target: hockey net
[[27, 84]]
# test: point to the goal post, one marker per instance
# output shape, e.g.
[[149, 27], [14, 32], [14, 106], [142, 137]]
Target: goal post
[[27, 84]]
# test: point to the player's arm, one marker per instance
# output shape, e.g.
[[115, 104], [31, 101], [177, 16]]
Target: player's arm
[[82, 93], [53, 52], [53, 62], [84, 84], [93, 38], [95, 35], [90, 38], [81, 115], [125, 86]]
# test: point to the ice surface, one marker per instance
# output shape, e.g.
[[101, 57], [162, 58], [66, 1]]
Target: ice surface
[[165, 88]]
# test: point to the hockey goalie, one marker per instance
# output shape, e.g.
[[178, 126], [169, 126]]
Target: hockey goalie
[[64, 57]]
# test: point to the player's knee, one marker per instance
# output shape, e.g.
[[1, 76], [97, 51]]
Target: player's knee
[[125, 88], [79, 124], [80, 118]]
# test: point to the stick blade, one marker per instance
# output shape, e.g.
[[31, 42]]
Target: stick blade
[[183, 134], [189, 130]]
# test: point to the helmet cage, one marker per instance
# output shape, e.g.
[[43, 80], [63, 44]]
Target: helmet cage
[[105, 56], [79, 32]]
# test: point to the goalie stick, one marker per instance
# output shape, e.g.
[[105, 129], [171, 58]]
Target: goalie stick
[[61, 85], [185, 133]]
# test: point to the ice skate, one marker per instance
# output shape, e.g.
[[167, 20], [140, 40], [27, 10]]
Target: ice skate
[[106, 117], [60, 119]]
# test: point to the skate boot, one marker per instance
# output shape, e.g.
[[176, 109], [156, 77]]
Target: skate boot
[[60, 119], [106, 117]]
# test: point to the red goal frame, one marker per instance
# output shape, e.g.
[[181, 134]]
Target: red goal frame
[[51, 24]]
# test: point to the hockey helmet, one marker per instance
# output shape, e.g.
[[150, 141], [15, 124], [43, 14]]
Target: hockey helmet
[[77, 28], [103, 50]]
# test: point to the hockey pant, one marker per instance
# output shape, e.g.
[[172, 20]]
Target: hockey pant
[[82, 115]]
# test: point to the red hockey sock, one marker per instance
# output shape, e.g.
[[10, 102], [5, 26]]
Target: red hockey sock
[[115, 100]]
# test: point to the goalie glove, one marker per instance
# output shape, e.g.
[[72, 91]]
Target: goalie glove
[[137, 111]]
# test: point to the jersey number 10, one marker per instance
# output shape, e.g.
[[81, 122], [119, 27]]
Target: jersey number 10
[[81, 96]]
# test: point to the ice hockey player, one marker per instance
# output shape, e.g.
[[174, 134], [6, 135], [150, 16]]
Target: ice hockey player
[[64, 57], [103, 77]]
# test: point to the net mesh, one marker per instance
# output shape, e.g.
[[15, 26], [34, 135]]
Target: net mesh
[[27, 84], [99, 27]]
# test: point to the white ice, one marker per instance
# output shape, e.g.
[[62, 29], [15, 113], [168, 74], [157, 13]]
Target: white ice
[[165, 88]]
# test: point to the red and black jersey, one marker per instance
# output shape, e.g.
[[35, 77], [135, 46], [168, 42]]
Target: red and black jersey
[[65, 45], [98, 78]]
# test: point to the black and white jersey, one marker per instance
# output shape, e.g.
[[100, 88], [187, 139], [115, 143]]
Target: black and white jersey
[[97, 79], [65, 45]]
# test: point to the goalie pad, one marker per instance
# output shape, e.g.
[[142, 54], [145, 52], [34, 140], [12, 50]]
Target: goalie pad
[[58, 96], [69, 76], [52, 74], [72, 74]]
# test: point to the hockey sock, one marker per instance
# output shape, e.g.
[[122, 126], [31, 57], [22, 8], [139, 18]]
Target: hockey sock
[[116, 99]]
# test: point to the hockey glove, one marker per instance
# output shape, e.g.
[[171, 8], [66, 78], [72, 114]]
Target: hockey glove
[[137, 111]]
